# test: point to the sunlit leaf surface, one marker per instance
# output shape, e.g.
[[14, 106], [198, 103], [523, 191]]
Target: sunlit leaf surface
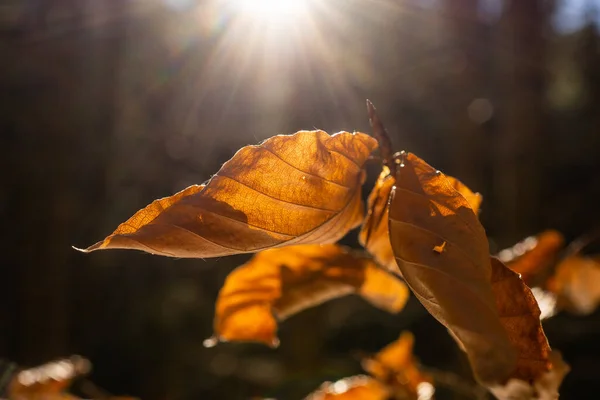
[[576, 282], [281, 282], [291, 189], [396, 365], [358, 387], [533, 255], [442, 251], [374, 233]]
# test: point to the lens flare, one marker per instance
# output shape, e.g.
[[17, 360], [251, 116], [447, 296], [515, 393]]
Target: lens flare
[[270, 10]]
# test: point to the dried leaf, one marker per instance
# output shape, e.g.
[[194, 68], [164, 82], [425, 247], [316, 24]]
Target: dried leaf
[[51, 381], [544, 388], [48, 381], [291, 189], [287, 280], [576, 283], [474, 199], [520, 317], [396, 366], [486, 306], [374, 233], [533, 255], [358, 387]]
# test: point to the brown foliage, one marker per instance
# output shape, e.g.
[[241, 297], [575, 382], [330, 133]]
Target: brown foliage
[[486, 306], [576, 282], [358, 387], [291, 189], [520, 317], [395, 375], [396, 366], [51, 381], [374, 233], [533, 255], [287, 280]]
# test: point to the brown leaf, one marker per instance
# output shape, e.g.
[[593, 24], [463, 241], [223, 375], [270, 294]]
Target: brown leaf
[[487, 307], [374, 233], [287, 280], [48, 381], [291, 189], [520, 317], [474, 199], [533, 255], [545, 387], [576, 282], [359, 387], [396, 366]]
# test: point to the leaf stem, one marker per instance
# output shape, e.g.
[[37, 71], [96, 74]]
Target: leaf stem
[[380, 133]]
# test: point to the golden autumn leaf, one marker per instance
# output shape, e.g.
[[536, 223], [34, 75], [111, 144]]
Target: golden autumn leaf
[[520, 317], [51, 381], [358, 387], [534, 254], [396, 366], [281, 282], [374, 233], [487, 307], [291, 189], [545, 387], [48, 381], [576, 282]]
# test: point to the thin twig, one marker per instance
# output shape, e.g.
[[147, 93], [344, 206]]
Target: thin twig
[[385, 144]]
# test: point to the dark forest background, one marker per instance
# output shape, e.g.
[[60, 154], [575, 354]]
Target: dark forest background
[[107, 105]]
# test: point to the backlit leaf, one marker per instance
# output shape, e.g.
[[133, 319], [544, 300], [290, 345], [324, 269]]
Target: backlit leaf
[[396, 366], [374, 233], [358, 387], [489, 310], [282, 282], [576, 282], [291, 189], [48, 381], [520, 317], [533, 255], [545, 387]]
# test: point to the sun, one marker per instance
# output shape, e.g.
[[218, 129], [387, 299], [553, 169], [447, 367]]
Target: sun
[[271, 10]]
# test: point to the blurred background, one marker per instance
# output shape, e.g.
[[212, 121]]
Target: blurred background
[[108, 105]]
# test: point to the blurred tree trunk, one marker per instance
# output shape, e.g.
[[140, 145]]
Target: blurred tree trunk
[[469, 40], [519, 141]]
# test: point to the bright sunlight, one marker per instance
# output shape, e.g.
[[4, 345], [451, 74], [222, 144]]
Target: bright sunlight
[[271, 10]]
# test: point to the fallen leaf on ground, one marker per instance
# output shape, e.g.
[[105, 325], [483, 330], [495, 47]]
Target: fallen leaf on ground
[[291, 189], [576, 282], [534, 254], [396, 366], [358, 387], [282, 282], [489, 310]]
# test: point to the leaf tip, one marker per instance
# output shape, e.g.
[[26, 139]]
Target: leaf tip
[[91, 248], [275, 342], [370, 109], [80, 249], [211, 342]]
